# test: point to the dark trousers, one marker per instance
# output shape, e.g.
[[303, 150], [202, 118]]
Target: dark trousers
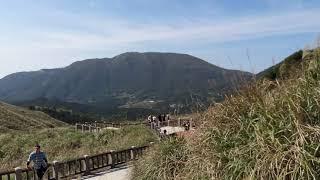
[[40, 172]]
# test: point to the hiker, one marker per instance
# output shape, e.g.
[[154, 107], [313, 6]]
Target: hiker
[[160, 118], [163, 134], [39, 160], [168, 117], [149, 118], [154, 121], [187, 126], [150, 121], [164, 118], [154, 118]]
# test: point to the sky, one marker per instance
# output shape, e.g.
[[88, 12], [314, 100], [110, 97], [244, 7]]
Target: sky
[[249, 35]]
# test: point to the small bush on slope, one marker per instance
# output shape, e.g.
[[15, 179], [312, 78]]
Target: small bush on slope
[[267, 131]]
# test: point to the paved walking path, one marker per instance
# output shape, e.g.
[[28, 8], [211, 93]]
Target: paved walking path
[[171, 129], [122, 173]]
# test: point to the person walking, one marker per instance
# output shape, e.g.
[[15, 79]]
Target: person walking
[[160, 117], [168, 117], [159, 120], [154, 119], [39, 160], [164, 118], [150, 121]]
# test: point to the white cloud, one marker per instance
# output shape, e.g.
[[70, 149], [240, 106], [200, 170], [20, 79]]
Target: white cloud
[[113, 35]]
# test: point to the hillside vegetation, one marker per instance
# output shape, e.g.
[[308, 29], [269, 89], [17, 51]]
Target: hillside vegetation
[[268, 130], [13, 118], [21, 129], [66, 143], [285, 68]]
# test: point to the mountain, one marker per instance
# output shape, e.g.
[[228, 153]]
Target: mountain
[[21, 119], [129, 80]]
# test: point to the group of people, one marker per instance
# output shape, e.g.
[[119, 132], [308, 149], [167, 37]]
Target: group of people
[[156, 121]]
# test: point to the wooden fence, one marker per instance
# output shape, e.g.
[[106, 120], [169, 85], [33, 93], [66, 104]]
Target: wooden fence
[[87, 127], [81, 166]]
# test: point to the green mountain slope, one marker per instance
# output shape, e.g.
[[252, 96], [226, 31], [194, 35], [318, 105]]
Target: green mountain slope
[[13, 118], [129, 80], [289, 67]]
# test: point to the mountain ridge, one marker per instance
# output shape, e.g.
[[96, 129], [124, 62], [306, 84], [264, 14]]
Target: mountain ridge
[[130, 77]]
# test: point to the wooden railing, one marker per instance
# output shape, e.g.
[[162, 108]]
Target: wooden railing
[[87, 127], [7, 175], [85, 165], [24, 173]]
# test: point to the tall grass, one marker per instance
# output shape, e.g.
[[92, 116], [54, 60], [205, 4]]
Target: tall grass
[[268, 130], [164, 161]]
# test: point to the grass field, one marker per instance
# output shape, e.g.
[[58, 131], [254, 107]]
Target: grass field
[[66, 143]]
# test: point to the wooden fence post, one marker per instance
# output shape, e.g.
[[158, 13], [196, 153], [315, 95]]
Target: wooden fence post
[[89, 128], [132, 152], [191, 123], [82, 126], [87, 164], [179, 122], [111, 158], [168, 122], [76, 127], [56, 170], [18, 175]]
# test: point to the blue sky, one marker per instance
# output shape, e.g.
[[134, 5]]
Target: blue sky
[[248, 35]]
